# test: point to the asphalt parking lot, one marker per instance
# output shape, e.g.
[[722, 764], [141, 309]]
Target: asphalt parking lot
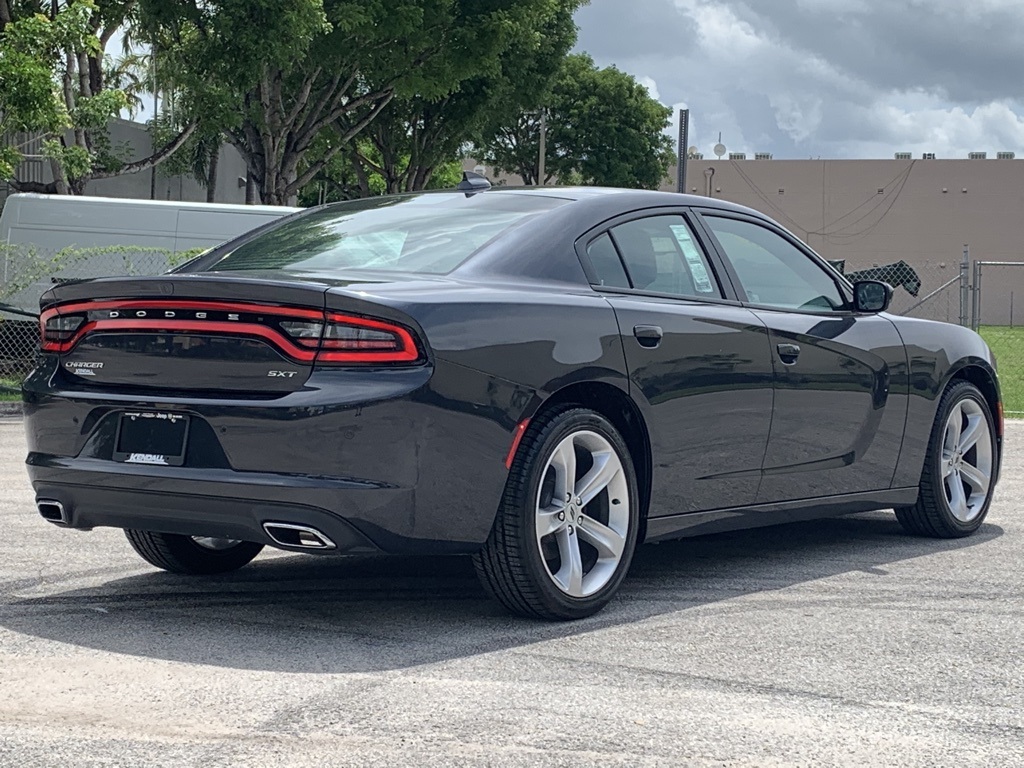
[[840, 642]]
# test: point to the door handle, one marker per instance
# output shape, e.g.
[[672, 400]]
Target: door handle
[[788, 353], [648, 335]]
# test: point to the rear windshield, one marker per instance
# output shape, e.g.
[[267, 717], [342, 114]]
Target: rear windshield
[[428, 234]]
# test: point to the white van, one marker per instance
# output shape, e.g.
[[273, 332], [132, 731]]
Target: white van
[[34, 228]]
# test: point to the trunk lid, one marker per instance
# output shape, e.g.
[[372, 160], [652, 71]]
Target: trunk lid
[[187, 333]]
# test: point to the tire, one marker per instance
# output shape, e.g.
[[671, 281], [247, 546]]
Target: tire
[[184, 554], [539, 576], [939, 512]]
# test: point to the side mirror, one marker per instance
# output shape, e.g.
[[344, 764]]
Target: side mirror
[[871, 296]]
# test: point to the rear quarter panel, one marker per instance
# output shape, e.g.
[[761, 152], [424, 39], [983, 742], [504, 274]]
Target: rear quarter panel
[[497, 352]]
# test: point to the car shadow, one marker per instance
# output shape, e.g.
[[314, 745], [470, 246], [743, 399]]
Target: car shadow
[[322, 615]]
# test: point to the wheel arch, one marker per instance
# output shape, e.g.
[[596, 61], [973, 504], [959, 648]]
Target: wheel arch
[[982, 376], [622, 411]]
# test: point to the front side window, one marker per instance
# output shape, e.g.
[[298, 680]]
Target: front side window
[[662, 256], [772, 271], [427, 234]]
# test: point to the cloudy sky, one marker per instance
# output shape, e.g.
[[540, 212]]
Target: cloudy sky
[[826, 78]]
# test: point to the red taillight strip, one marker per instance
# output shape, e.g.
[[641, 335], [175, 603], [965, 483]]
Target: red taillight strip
[[408, 353], [231, 329], [279, 340]]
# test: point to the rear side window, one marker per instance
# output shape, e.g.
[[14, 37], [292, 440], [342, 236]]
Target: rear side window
[[606, 263], [661, 255], [427, 234]]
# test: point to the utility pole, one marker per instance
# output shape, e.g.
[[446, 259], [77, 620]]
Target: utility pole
[[541, 161], [684, 152], [156, 108]]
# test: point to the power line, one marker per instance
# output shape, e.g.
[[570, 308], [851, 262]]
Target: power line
[[896, 190], [824, 230], [757, 191], [839, 235], [853, 236]]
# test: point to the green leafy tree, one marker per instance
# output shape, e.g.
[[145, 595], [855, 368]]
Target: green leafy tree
[[603, 127], [348, 176], [280, 73], [414, 135], [31, 46], [54, 82]]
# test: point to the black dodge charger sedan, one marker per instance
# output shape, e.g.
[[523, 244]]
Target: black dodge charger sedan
[[541, 378]]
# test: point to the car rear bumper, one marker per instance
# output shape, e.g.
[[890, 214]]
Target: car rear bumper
[[88, 507], [212, 503], [404, 467]]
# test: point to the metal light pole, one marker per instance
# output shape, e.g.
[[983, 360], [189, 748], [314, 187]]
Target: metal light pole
[[684, 143], [156, 108], [541, 161], [965, 286]]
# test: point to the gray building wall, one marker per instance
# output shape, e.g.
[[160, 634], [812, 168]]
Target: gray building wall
[[231, 173]]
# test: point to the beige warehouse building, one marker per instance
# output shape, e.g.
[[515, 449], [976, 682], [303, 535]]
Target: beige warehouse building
[[875, 212]]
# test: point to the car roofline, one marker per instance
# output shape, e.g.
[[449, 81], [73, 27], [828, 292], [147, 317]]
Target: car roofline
[[643, 197]]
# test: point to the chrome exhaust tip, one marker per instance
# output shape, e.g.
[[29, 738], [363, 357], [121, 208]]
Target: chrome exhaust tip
[[53, 511], [298, 536]]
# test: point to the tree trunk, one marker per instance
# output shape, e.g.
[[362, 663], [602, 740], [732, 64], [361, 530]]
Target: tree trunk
[[60, 181], [211, 174], [250, 190], [420, 179], [279, 127], [362, 177]]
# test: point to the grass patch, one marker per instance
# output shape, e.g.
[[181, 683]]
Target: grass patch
[[10, 390], [1008, 346]]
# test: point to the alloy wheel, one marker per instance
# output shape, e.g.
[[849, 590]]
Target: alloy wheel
[[582, 514], [967, 460]]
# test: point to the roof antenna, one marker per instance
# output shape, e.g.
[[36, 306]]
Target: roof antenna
[[473, 182]]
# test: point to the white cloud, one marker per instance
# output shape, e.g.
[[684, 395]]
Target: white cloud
[[650, 85], [831, 78], [798, 117]]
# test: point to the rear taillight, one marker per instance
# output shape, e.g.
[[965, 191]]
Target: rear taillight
[[304, 335], [57, 330], [348, 339]]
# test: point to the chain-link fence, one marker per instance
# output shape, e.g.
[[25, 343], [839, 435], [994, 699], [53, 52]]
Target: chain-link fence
[[998, 315], [26, 272], [932, 289], [18, 343]]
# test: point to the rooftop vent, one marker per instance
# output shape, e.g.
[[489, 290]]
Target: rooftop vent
[[977, 155], [1005, 155], [903, 156], [695, 155], [737, 155], [928, 156], [762, 155]]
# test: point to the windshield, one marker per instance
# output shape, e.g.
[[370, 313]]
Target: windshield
[[428, 234]]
